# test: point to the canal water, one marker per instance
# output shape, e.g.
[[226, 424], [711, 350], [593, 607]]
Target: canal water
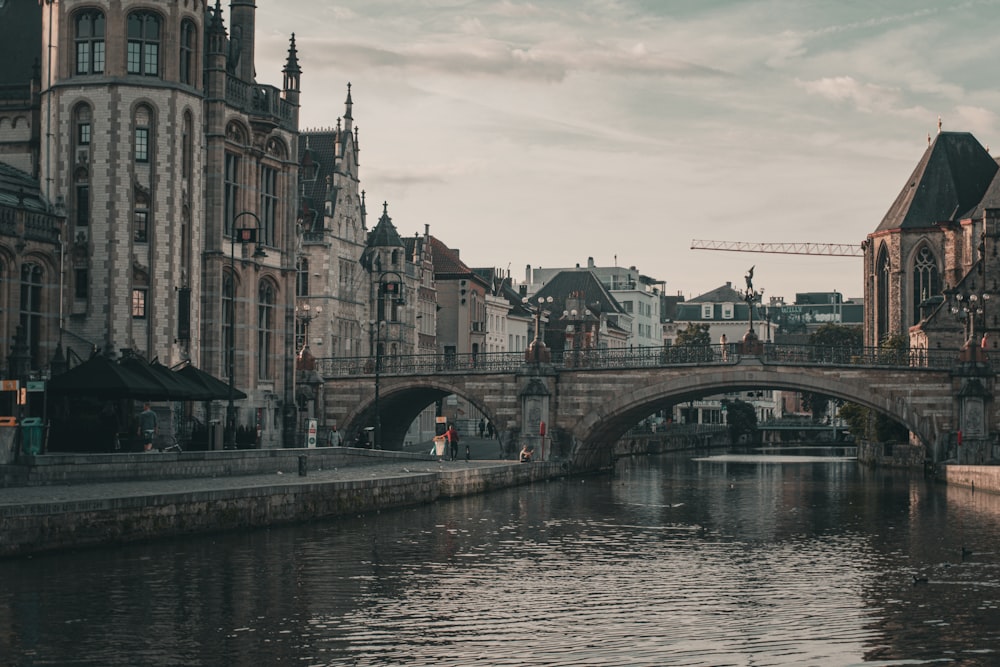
[[794, 558]]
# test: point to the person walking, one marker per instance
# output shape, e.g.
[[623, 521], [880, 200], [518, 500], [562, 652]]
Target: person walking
[[452, 434], [482, 427], [489, 428], [147, 427], [333, 438]]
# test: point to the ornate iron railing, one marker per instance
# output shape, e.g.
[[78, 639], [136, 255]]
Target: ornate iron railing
[[812, 355], [640, 357]]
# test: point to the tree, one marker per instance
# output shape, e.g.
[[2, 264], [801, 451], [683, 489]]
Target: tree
[[865, 423], [833, 339], [836, 335], [694, 334], [741, 418]]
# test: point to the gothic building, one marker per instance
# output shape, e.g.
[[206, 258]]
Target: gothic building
[[179, 176], [931, 266]]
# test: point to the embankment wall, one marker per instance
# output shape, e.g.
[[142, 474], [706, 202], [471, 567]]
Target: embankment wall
[[71, 524]]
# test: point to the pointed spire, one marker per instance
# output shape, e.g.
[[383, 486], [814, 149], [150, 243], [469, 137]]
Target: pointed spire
[[292, 62], [349, 104], [217, 24], [292, 72]]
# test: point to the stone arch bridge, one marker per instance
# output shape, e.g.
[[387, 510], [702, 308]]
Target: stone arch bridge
[[589, 401]]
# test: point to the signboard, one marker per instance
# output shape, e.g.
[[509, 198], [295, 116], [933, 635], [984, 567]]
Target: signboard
[[311, 433], [36, 385], [9, 385]]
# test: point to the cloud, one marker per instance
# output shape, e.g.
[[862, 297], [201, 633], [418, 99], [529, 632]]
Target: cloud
[[865, 97]]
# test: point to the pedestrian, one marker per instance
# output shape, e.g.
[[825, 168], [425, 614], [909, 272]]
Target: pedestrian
[[333, 438], [147, 427], [489, 428], [452, 434], [525, 456], [482, 427]]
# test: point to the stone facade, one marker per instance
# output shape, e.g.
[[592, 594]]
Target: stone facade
[[153, 131]]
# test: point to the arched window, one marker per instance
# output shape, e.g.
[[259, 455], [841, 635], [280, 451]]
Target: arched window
[[882, 294], [228, 324], [31, 306], [187, 152], [265, 331], [89, 42], [187, 53], [143, 55], [268, 205], [302, 277], [926, 279], [143, 140]]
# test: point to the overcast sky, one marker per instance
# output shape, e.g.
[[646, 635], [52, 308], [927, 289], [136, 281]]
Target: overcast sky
[[550, 131]]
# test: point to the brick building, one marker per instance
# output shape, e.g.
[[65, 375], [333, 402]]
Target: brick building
[[931, 266]]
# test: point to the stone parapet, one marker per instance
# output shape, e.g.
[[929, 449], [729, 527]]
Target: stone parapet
[[94, 468]]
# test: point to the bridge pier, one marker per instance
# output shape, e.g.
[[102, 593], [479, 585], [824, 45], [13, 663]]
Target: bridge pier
[[537, 386]]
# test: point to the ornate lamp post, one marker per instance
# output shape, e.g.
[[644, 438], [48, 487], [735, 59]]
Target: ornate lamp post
[[968, 307], [246, 235], [751, 342], [537, 351]]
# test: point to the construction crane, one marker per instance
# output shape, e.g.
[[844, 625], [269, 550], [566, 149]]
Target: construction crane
[[829, 249]]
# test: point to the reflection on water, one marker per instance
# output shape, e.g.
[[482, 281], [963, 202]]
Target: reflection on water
[[759, 560]]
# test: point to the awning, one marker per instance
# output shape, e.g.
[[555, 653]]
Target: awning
[[103, 378], [217, 389]]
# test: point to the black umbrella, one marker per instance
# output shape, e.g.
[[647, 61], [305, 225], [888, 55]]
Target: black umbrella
[[102, 378]]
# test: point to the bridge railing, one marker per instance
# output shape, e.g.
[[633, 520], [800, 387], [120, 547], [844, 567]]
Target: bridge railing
[[508, 362], [814, 355], [638, 357]]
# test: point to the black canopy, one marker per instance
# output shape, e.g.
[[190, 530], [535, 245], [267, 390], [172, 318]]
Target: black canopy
[[103, 378], [217, 389]]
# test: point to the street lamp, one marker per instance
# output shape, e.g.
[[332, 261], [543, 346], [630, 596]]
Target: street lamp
[[246, 235], [305, 314], [537, 351]]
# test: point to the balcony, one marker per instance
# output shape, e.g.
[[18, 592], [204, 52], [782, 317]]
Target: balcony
[[479, 327], [262, 103]]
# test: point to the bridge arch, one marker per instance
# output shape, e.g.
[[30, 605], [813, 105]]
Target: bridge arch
[[402, 399], [605, 424]]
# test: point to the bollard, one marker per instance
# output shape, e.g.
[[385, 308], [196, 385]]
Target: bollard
[[303, 461]]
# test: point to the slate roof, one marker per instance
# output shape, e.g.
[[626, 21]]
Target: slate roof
[[384, 235], [18, 189], [949, 182], [571, 281], [723, 294]]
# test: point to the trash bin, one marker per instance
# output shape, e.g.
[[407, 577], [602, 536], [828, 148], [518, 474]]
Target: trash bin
[[31, 435]]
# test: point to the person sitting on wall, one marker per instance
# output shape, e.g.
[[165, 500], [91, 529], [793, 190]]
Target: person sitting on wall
[[526, 455]]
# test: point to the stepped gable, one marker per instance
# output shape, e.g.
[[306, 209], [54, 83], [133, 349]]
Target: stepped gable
[[948, 184]]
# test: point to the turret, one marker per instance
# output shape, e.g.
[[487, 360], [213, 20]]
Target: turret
[[242, 16], [293, 75]]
